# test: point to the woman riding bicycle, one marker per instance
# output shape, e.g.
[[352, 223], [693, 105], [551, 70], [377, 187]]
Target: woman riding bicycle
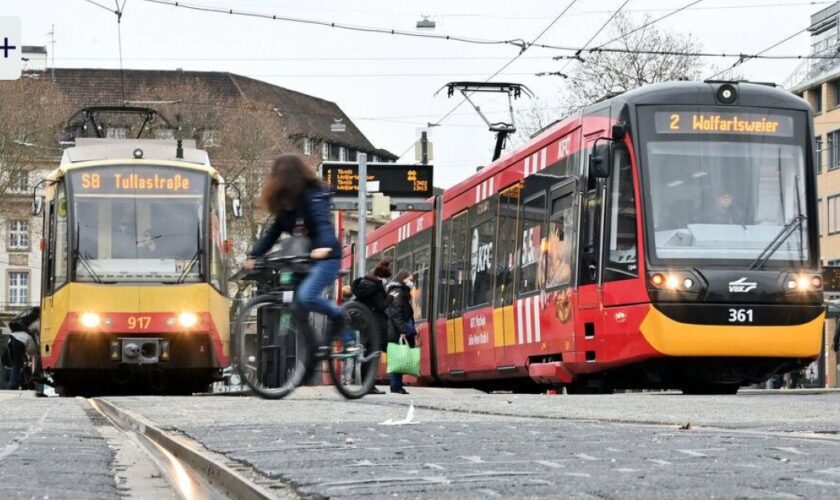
[[296, 197]]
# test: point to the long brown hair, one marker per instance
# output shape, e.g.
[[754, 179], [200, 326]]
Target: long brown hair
[[286, 182]]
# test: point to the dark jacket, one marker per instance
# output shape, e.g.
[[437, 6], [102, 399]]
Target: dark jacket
[[314, 210], [400, 312], [370, 291]]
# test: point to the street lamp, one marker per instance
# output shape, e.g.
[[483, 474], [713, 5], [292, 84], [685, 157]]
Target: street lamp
[[425, 23]]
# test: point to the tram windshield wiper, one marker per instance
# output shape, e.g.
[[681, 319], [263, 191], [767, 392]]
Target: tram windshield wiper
[[82, 259], [195, 258], [776, 242]]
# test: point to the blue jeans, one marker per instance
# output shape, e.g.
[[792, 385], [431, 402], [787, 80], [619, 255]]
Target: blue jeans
[[310, 293]]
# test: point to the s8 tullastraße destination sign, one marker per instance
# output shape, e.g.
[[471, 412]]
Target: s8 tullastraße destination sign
[[396, 181]]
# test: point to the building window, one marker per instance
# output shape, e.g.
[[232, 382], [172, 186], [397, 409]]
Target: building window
[[834, 262], [836, 85], [833, 150], [18, 288], [209, 138], [18, 235], [834, 214], [116, 132], [307, 146], [342, 153], [20, 183], [820, 216], [165, 133], [819, 153], [818, 100], [374, 159], [325, 151]]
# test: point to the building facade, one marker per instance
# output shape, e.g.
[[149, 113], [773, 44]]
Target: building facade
[[818, 82]]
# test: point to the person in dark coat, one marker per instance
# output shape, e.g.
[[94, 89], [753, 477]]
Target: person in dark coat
[[401, 319], [370, 291]]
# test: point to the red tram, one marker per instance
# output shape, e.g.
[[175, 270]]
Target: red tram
[[663, 238]]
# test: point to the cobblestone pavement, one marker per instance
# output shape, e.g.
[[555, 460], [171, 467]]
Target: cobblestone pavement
[[467, 444], [50, 448]]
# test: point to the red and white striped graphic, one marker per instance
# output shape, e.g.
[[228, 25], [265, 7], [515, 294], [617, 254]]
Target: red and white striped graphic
[[404, 232], [484, 190], [528, 320], [536, 162]]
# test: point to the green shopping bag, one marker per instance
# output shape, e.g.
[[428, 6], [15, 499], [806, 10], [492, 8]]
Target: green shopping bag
[[403, 359]]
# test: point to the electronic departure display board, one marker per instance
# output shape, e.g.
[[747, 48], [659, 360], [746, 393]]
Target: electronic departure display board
[[132, 180], [715, 122], [396, 181]]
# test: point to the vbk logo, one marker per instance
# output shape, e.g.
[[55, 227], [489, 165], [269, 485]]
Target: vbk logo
[[10, 51], [742, 285]]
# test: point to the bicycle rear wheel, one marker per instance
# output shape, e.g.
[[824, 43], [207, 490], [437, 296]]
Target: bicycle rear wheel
[[354, 356], [273, 357]]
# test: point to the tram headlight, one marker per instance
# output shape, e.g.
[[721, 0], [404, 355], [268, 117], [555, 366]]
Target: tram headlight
[[89, 320], [187, 319], [677, 281], [804, 283], [672, 282]]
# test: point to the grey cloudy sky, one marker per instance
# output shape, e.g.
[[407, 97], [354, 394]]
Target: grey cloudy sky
[[387, 83]]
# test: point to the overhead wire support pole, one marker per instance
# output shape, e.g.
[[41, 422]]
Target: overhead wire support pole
[[362, 236]]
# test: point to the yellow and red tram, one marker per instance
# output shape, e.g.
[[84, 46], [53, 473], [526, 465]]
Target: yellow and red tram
[[134, 294], [663, 238]]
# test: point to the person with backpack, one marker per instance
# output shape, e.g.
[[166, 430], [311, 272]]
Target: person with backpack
[[401, 320], [370, 291]]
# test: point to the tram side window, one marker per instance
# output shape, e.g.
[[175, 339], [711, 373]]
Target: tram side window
[[622, 250], [390, 254], [457, 264], [506, 246], [559, 243], [403, 262], [530, 240], [482, 257], [60, 232], [420, 292], [443, 276]]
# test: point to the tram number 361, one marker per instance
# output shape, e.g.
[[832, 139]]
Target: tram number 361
[[740, 315]]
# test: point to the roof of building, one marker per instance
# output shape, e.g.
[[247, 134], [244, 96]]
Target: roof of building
[[34, 49], [305, 115]]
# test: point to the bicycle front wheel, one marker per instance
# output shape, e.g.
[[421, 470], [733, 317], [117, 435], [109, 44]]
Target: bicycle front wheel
[[274, 346], [354, 355]]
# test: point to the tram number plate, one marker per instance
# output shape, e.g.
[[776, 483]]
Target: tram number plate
[[139, 322], [740, 315]]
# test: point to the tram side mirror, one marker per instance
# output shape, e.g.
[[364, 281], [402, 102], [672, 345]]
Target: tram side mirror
[[600, 164], [237, 208], [37, 205]]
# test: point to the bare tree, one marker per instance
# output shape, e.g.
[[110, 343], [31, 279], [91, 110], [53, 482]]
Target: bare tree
[[604, 72], [31, 117]]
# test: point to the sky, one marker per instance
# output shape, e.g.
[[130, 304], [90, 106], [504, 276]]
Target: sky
[[387, 83]]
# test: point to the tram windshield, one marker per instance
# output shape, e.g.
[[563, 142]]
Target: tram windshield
[[723, 198], [138, 224]]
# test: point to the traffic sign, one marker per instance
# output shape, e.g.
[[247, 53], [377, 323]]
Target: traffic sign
[[397, 181], [11, 51]]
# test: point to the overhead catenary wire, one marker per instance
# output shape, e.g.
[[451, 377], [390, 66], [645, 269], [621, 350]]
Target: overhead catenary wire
[[652, 22], [606, 23], [507, 64], [336, 25], [742, 60]]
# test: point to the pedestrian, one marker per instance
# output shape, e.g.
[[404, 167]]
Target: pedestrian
[[401, 320], [370, 291]]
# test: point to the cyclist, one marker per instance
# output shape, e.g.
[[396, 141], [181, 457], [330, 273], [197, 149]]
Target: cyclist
[[296, 197]]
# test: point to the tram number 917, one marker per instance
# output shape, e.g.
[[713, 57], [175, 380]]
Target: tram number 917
[[740, 315], [139, 322]]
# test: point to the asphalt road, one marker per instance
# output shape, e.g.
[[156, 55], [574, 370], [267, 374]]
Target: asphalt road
[[466, 444]]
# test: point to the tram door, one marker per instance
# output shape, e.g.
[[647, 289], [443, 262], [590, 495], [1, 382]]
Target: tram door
[[589, 321], [559, 264], [504, 329]]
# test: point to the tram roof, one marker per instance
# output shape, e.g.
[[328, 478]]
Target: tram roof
[[96, 152]]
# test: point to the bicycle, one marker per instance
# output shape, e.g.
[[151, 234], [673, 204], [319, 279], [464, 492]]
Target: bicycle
[[289, 343]]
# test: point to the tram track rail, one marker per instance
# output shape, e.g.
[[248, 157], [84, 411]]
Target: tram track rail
[[191, 470]]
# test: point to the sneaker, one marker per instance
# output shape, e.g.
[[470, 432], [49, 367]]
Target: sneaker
[[399, 391], [376, 391]]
